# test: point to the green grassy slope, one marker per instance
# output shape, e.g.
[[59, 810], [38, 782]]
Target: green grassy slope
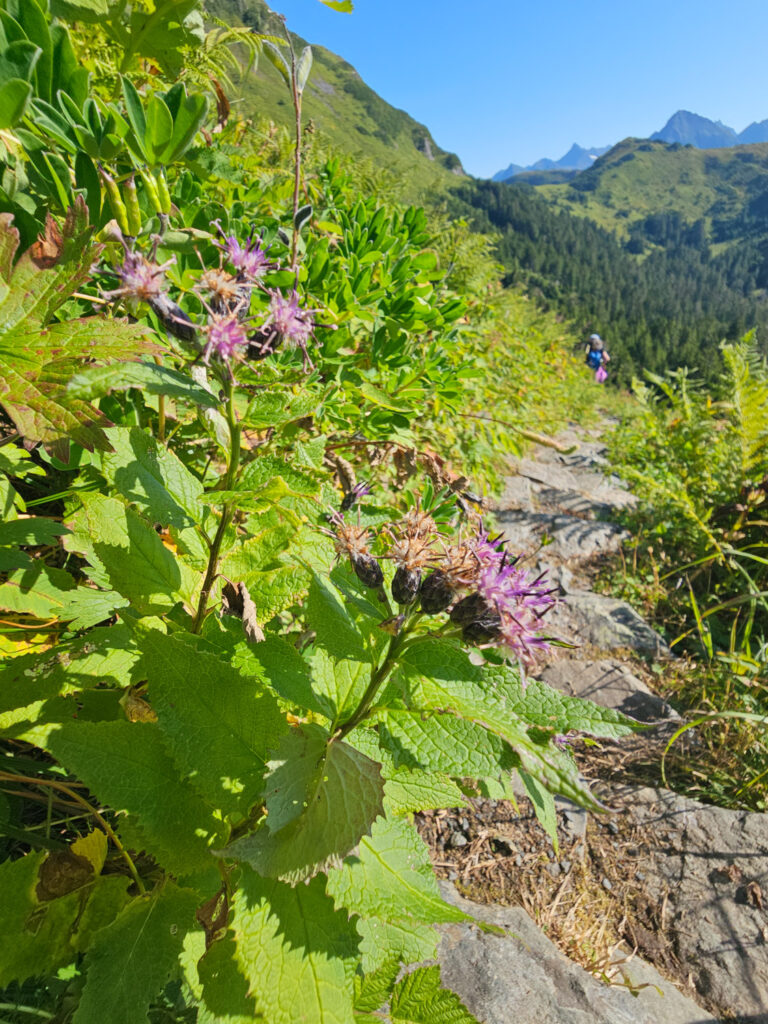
[[725, 189], [348, 113]]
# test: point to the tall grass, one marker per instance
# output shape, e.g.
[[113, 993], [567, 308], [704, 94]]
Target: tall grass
[[698, 463]]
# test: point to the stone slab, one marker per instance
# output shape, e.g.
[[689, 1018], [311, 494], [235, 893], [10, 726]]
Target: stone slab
[[711, 866], [606, 623], [522, 978], [570, 537], [610, 684]]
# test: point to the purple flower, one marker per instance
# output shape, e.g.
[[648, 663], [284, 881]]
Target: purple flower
[[519, 600], [288, 320], [250, 260], [351, 498], [225, 335], [140, 279], [291, 322]]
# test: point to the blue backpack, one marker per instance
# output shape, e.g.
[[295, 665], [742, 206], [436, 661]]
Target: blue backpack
[[594, 358]]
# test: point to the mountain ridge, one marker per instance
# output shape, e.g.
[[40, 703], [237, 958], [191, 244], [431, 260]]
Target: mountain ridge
[[684, 128]]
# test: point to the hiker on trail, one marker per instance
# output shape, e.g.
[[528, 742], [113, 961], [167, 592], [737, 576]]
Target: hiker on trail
[[597, 357]]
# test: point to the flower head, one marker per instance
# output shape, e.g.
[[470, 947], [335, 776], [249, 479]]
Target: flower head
[[517, 598], [357, 493], [249, 260], [287, 321], [225, 335], [140, 279], [224, 289]]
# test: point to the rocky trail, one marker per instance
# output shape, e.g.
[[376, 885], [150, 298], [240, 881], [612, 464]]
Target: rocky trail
[[656, 913]]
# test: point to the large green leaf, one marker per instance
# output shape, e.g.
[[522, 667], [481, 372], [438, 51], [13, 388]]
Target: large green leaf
[[126, 765], [133, 958], [390, 877], [436, 675], [322, 796], [444, 743], [156, 380], [297, 952], [221, 726], [151, 476], [52, 594], [131, 556], [289, 674], [104, 656]]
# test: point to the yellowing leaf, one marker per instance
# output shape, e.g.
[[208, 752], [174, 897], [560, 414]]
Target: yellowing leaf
[[93, 847]]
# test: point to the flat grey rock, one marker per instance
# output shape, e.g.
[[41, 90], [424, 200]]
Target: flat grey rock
[[610, 684], [522, 978], [606, 623], [569, 536], [711, 865]]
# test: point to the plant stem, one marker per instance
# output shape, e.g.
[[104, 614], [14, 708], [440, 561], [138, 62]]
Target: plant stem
[[378, 676], [296, 95], [226, 513]]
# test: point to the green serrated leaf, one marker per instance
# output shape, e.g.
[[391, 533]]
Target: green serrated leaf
[[444, 743], [297, 952], [131, 555], [105, 656], [407, 939], [372, 990], [390, 877], [38, 936], [543, 806], [334, 627], [127, 766], [52, 594], [31, 531], [220, 725], [339, 682], [289, 674], [322, 796], [225, 998], [419, 999], [437, 675], [548, 708], [134, 957], [149, 475]]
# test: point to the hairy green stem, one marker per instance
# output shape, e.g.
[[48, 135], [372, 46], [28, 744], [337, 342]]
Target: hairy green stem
[[296, 95], [226, 513], [378, 676]]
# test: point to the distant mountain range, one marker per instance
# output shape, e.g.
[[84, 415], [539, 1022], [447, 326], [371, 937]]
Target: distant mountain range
[[683, 127]]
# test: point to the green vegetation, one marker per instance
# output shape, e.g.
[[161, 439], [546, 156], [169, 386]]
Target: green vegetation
[[242, 587], [669, 309], [698, 462]]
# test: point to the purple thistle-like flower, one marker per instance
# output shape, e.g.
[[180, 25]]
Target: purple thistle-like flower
[[520, 600], [290, 322], [140, 279], [249, 259], [351, 498], [225, 335]]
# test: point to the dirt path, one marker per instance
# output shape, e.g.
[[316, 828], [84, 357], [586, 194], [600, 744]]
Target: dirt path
[[663, 898]]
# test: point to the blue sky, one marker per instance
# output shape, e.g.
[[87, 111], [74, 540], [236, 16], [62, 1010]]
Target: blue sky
[[501, 81]]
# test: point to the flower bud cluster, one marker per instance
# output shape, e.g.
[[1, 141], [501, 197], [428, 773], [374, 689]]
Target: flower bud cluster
[[486, 594], [229, 331]]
